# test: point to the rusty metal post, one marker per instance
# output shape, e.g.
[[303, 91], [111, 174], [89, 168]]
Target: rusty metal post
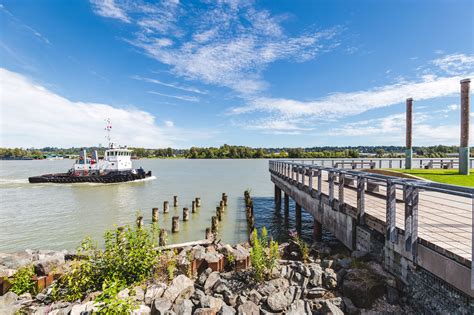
[[409, 134], [465, 113]]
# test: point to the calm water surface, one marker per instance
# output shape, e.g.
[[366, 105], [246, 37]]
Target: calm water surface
[[58, 216]]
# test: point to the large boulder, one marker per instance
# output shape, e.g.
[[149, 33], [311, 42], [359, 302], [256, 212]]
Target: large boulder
[[299, 307], [154, 291], [181, 287], [248, 308], [226, 310], [85, 308], [363, 287], [185, 307], [329, 279], [277, 301], [204, 311], [160, 306], [211, 302], [142, 310], [49, 263], [210, 281]]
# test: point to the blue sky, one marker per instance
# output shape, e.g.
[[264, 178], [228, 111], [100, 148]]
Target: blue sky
[[257, 73]]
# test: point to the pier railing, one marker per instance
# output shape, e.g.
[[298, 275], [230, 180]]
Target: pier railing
[[437, 215], [357, 163]]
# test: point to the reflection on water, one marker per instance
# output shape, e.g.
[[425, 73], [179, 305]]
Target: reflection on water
[[59, 216]]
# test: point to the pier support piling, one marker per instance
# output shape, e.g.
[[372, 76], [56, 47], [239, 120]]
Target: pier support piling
[[219, 213], [277, 197], [154, 215], [175, 224], [166, 207], [465, 113], [198, 202], [193, 206], [298, 217], [409, 134], [224, 199], [317, 231], [287, 205]]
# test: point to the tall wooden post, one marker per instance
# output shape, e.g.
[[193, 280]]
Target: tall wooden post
[[287, 204], [465, 112], [409, 134]]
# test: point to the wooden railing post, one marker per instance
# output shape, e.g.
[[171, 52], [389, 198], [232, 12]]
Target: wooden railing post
[[391, 211], [411, 219], [320, 182], [303, 176], [341, 191], [361, 198], [331, 187], [310, 180]]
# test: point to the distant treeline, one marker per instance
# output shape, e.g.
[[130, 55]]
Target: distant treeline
[[243, 152]]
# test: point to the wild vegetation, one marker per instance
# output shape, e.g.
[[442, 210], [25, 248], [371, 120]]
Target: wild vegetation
[[243, 152], [263, 254]]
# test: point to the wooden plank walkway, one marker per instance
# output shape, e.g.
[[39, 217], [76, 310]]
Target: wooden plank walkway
[[443, 220]]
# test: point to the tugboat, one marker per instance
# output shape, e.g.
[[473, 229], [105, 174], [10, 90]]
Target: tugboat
[[114, 167]]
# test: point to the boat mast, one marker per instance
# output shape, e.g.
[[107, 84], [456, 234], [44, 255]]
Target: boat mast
[[108, 128]]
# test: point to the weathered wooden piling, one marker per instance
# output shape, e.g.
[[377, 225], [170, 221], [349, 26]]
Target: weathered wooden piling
[[185, 214], [175, 224], [222, 204], [175, 201], [166, 207], [249, 210], [224, 199], [465, 116], [214, 224], [208, 233], [193, 206], [139, 222], [162, 238], [298, 217], [120, 234], [219, 213], [154, 215], [198, 202]]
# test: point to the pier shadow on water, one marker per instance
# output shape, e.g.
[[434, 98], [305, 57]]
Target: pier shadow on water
[[278, 225]]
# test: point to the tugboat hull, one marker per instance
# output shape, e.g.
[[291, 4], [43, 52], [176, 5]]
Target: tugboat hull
[[66, 178]]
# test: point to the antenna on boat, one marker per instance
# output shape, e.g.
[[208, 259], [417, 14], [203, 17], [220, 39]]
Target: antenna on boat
[[108, 128]]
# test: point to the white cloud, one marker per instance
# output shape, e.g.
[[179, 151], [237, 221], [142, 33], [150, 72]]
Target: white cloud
[[32, 116], [455, 63], [224, 43], [169, 123], [109, 9], [339, 105], [171, 85], [179, 97]]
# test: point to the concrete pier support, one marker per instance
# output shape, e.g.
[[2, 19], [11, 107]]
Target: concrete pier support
[[298, 217], [287, 204], [317, 231], [277, 197], [409, 134], [465, 113]]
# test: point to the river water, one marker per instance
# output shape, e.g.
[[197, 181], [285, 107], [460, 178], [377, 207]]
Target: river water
[[59, 216]]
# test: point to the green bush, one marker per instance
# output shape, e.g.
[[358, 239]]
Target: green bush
[[109, 303], [128, 257], [22, 280], [263, 254]]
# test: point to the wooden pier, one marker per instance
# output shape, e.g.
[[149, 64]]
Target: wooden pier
[[424, 225]]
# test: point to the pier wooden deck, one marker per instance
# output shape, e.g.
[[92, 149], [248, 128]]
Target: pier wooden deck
[[428, 224]]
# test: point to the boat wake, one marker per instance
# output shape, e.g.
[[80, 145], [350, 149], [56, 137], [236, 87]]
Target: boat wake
[[21, 182]]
